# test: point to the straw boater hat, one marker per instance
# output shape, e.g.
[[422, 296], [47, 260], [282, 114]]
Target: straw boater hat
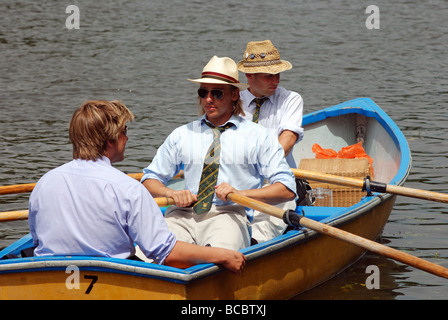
[[262, 57], [221, 71]]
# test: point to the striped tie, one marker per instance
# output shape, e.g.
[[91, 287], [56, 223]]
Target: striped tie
[[209, 175], [258, 103]]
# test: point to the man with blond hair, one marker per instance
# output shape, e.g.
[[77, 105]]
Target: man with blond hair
[[87, 207]]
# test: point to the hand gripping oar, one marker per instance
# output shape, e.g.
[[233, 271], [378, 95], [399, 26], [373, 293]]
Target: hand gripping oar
[[293, 219], [369, 185]]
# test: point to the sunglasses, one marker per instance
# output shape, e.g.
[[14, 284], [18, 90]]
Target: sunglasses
[[216, 93]]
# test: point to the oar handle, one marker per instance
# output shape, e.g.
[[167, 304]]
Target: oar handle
[[290, 217], [164, 202], [256, 205]]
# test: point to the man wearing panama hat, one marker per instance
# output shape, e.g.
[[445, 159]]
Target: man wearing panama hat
[[221, 153], [273, 107]]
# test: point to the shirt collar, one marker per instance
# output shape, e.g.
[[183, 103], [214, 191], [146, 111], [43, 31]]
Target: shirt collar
[[235, 120], [106, 160], [251, 97], [103, 160]]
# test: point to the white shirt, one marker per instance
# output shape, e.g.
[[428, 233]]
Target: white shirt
[[249, 154], [281, 111], [91, 208]]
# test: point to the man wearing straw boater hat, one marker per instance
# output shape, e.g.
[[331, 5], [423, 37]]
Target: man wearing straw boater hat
[[273, 107], [221, 153]]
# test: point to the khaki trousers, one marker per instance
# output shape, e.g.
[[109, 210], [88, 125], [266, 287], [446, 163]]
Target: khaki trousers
[[222, 227]]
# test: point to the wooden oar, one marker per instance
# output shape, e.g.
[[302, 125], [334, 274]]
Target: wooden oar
[[294, 219], [17, 188], [163, 202], [368, 185], [28, 187], [13, 215], [304, 174], [23, 214]]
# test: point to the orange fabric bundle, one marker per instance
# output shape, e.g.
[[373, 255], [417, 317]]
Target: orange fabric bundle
[[323, 153], [349, 152]]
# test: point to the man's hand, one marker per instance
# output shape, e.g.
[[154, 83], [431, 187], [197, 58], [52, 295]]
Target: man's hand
[[223, 189], [235, 261], [182, 198], [185, 255]]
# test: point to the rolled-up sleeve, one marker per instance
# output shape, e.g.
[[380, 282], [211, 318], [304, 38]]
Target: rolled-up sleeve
[[291, 119], [165, 164], [273, 165]]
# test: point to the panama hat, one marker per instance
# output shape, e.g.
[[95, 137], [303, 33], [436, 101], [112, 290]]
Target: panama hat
[[221, 71], [262, 57]]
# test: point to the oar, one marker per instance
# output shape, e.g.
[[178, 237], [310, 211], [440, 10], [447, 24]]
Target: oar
[[368, 185], [365, 184], [294, 219], [13, 215], [23, 214], [28, 187], [17, 188]]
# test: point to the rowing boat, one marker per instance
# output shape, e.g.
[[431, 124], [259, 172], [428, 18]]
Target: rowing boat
[[279, 268]]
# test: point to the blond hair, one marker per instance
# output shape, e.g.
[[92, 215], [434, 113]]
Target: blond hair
[[94, 124]]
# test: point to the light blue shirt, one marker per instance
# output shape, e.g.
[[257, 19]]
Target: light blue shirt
[[249, 154], [281, 111], [91, 208]]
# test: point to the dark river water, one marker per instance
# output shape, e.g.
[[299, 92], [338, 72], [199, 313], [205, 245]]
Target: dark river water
[[142, 52]]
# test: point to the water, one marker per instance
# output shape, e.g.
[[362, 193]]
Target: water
[[142, 52]]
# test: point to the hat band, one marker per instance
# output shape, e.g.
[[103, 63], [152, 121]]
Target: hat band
[[261, 63], [219, 76]]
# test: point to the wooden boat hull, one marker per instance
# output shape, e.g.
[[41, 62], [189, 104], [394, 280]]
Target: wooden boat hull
[[265, 277], [278, 269]]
